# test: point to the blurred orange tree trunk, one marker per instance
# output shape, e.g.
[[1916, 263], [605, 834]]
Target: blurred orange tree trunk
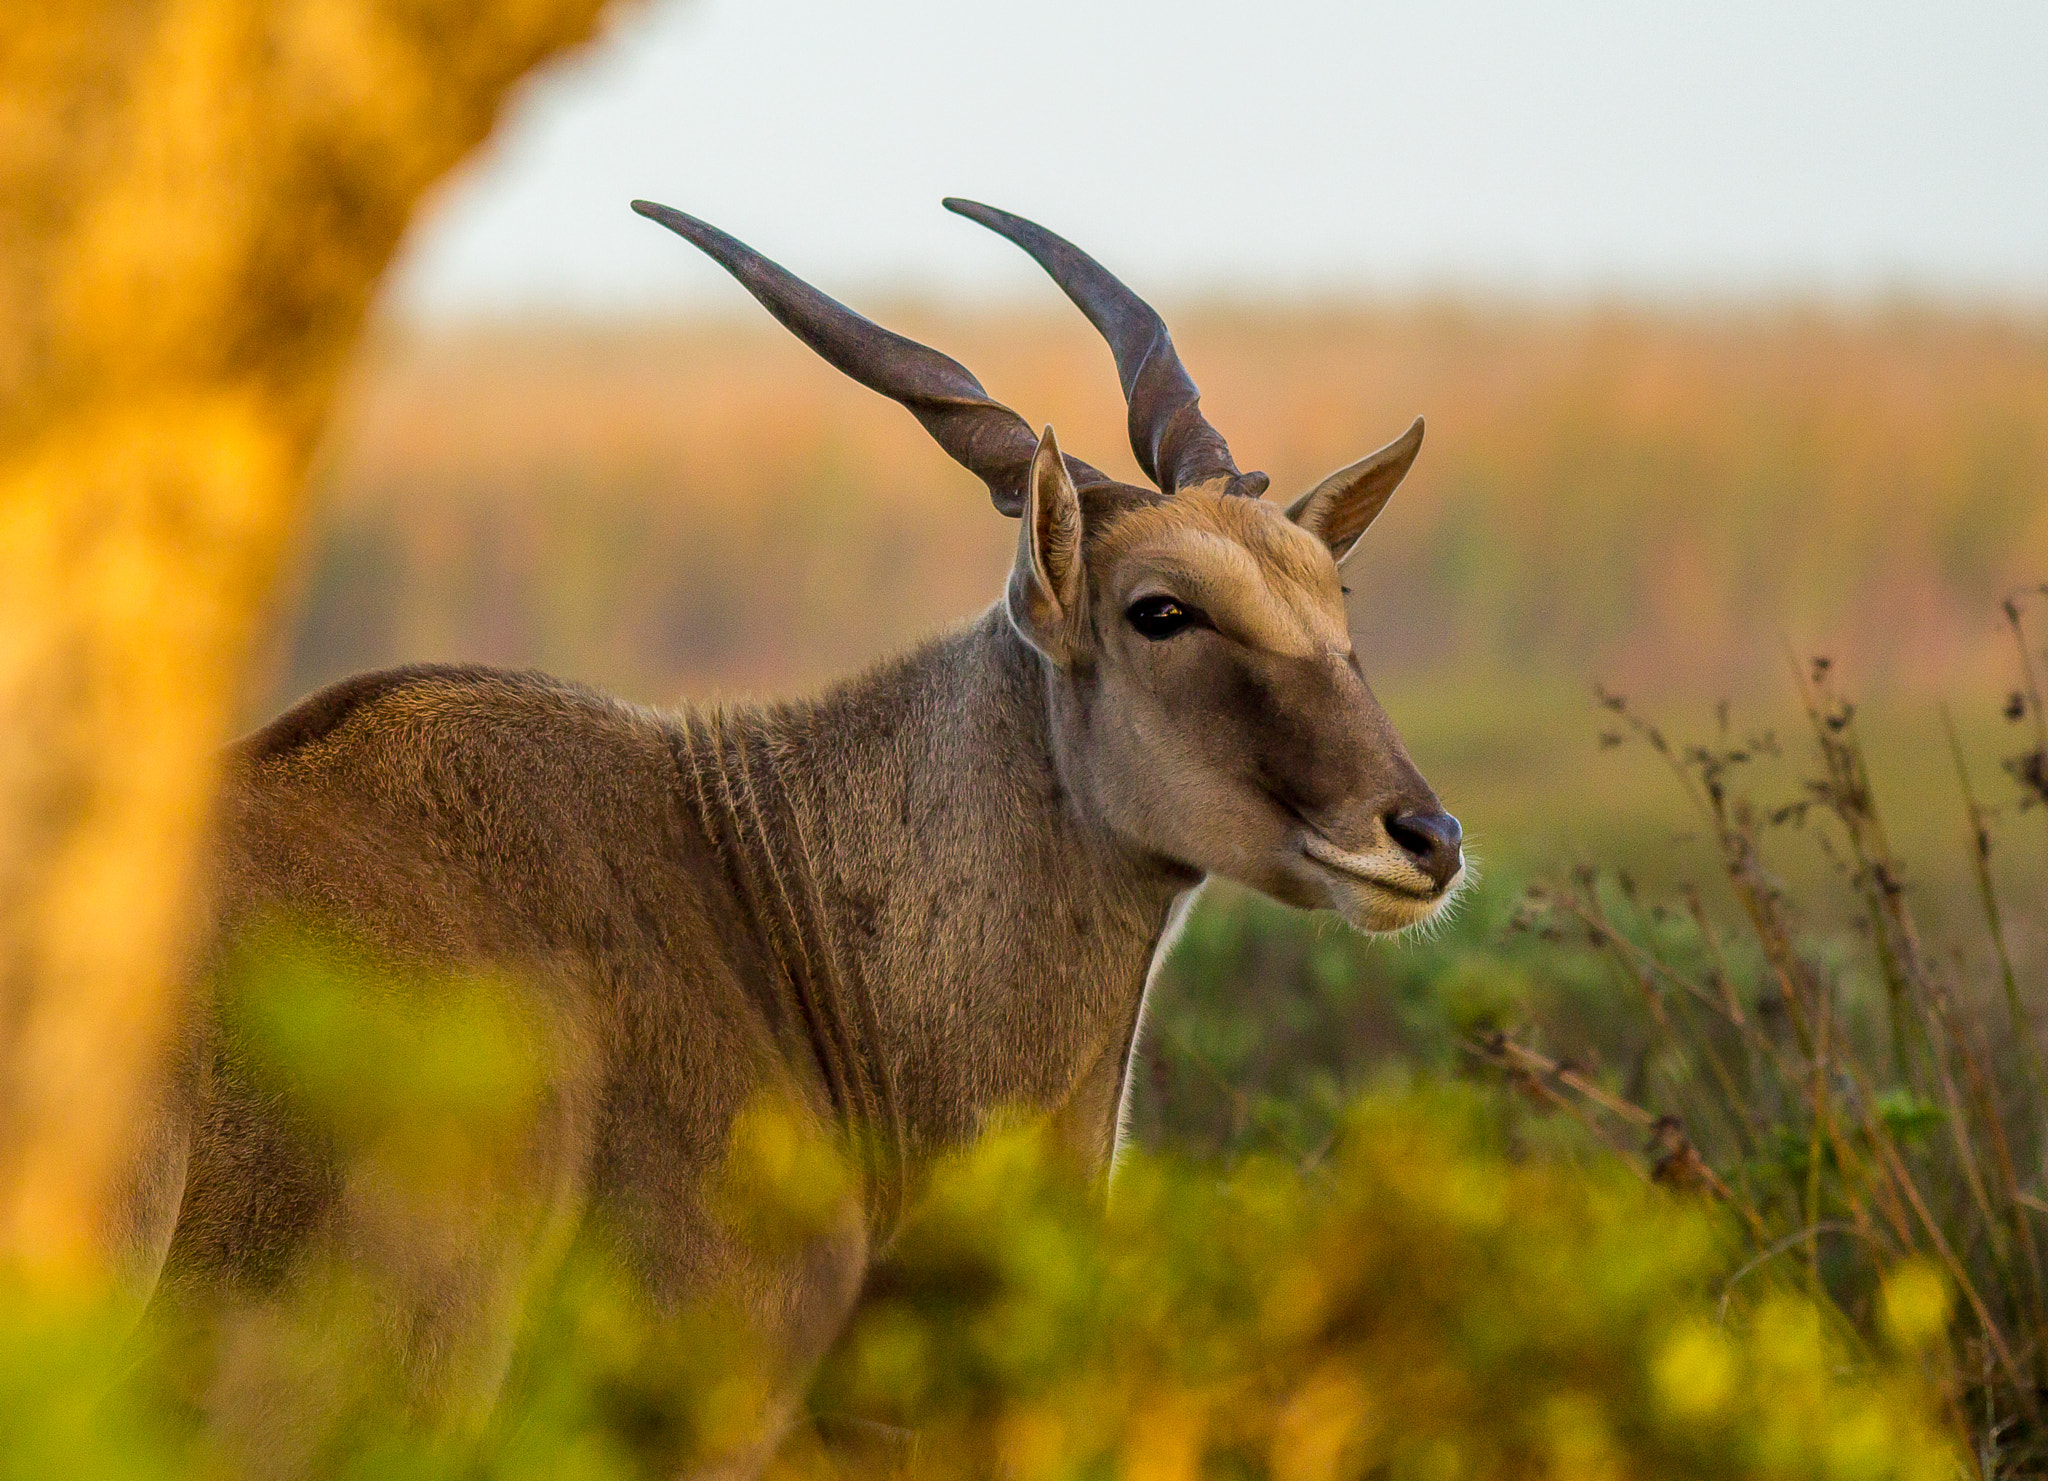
[[196, 200]]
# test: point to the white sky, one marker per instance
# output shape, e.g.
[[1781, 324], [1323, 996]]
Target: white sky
[[1660, 147]]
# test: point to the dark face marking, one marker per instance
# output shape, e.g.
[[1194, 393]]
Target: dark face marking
[[1311, 734]]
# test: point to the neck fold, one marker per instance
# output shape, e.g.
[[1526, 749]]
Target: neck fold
[[738, 786], [956, 935]]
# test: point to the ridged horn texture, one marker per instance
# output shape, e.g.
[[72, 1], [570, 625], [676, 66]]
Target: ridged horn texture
[[981, 434], [1174, 442]]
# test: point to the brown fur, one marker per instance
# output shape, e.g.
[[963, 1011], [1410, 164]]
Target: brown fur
[[933, 894]]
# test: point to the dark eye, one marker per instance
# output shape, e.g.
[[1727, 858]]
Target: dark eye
[[1161, 617]]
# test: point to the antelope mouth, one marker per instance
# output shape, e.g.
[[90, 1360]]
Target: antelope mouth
[[1392, 874]]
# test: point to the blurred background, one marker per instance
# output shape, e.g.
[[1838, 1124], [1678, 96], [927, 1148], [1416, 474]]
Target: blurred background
[[1715, 608], [1730, 324]]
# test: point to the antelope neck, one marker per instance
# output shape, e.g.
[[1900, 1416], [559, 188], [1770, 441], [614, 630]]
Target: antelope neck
[[1020, 959], [740, 790]]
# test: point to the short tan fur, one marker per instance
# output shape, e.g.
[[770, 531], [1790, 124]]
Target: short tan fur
[[933, 894]]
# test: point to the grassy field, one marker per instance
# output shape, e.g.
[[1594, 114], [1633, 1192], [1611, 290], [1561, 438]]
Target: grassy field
[[1661, 500]]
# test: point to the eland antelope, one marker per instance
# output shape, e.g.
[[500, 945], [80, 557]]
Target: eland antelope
[[936, 891]]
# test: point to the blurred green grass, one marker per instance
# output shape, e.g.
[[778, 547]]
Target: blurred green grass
[[1418, 1300]]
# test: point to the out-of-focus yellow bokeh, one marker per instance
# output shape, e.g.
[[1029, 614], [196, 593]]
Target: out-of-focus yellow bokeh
[[196, 200]]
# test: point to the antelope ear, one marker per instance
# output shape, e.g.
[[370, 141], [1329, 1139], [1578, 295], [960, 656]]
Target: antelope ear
[[1046, 585], [1338, 509]]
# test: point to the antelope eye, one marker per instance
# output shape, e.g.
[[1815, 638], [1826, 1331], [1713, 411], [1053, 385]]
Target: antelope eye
[[1160, 617]]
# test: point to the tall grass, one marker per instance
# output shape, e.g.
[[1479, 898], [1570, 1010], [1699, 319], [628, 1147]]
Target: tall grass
[[1860, 1091]]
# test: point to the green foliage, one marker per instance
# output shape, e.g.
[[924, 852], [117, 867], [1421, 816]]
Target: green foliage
[[1267, 1022], [1418, 1303], [431, 1067], [1422, 1306]]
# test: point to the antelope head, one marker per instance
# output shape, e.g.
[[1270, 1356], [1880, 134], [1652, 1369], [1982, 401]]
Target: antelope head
[[1207, 707]]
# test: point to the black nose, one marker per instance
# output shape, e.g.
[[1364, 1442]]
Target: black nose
[[1432, 840]]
